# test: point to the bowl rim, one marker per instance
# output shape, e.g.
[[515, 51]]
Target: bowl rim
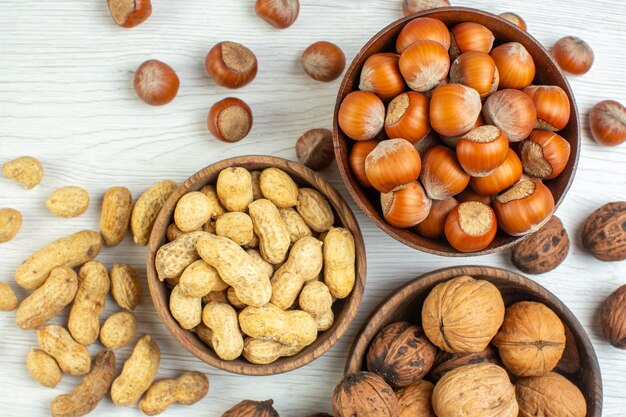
[[345, 87], [411, 289], [325, 340]]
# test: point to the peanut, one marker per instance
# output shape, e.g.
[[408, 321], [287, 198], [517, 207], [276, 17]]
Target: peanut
[[172, 258], [216, 207], [117, 205], [8, 300], [292, 328], [118, 330], [339, 257], [205, 334], [227, 341], [316, 300], [68, 251], [234, 188], [295, 224], [43, 368], [147, 208], [236, 226], [253, 244], [208, 227], [315, 210], [199, 279], [137, 373], [217, 296], [48, 300], [25, 170], [86, 396], [256, 186], [10, 224], [93, 287], [274, 238], [236, 268], [72, 357], [68, 201], [304, 264], [187, 389], [125, 286], [264, 352], [186, 310], [233, 300], [278, 187], [260, 262], [173, 232], [192, 211]]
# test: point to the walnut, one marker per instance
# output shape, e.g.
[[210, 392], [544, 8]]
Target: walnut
[[401, 354], [604, 233], [570, 361], [550, 395], [447, 362], [249, 408], [614, 318], [364, 394], [463, 314], [416, 400], [546, 249], [477, 390], [532, 339]]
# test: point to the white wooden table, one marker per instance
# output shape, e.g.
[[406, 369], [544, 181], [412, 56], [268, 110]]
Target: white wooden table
[[66, 98]]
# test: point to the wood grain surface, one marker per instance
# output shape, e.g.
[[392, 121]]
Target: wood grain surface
[[66, 97]]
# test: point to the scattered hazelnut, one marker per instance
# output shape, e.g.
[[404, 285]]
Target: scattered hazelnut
[[604, 234], [129, 13], [614, 318], [315, 149], [607, 120], [156, 83], [414, 6], [279, 13], [573, 55], [230, 120], [515, 19], [549, 395], [544, 250], [231, 65], [364, 394], [323, 61]]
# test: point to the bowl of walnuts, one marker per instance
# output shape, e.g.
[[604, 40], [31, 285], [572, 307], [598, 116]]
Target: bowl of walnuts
[[456, 132], [256, 265], [474, 338]]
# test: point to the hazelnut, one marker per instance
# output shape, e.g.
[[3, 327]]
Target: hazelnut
[[407, 206], [364, 394], [607, 121], [614, 318], [250, 408], [323, 61], [544, 250], [401, 354], [230, 120], [515, 19], [415, 400], [231, 65], [156, 83], [447, 362], [573, 55], [532, 339], [544, 154], [549, 395], [393, 164], [279, 13], [513, 112], [604, 234], [315, 150], [129, 13]]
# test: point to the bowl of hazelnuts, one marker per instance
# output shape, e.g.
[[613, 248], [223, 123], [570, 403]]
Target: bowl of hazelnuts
[[456, 132]]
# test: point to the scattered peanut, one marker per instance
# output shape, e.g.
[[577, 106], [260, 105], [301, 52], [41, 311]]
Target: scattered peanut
[[68, 201], [236, 226], [192, 211], [72, 357], [10, 224], [199, 279], [316, 300], [187, 389], [274, 238], [234, 189], [186, 310], [172, 258], [25, 170], [339, 266], [125, 286], [8, 300], [278, 187], [93, 287], [315, 210], [147, 208], [264, 352], [138, 372], [227, 340], [293, 328], [118, 330], [295, 224], [117, 205], [43, 368]]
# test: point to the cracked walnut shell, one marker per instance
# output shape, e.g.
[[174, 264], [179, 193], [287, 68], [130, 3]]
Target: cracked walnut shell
[[549, 395]]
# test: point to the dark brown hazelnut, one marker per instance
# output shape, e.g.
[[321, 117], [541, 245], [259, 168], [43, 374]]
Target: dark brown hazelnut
[[614, 318], [544, 250], [314, 149]]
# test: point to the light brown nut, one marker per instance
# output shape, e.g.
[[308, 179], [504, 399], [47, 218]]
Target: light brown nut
[[339, 262], [253, 244], [325, 321], [10, 224], [25, 170], [172, 282], [67, 251], [217, 296], [43, 368], [278, 187], [138, 372], [125, 286], [274, 238], [8, 300], [227, 341], [315, 210], [92, 389], [252, 408], [216, 207], [208, 227], [68, 201], [604, 234], [93, 287], [48, 300], [117, 205], [236, 226], [316, 300], [263, 352], [234, 300], [72, 357], [173, 232], [199, 279], [293, 328], [147, 208], [295, 224], [205, 334], [118, 330], [304, 264], [172, 258], [192, 211], [549, 395], [256, 185], [186, 310], [261, 263], [187, 389], [234, 188], [236, 268]]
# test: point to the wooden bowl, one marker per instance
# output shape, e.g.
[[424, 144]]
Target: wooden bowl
[[344, 310], [504, 31], [579, 363]]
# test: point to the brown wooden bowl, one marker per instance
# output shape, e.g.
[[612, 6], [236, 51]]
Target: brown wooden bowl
[[504, 31], [344, 310], [579, 363]]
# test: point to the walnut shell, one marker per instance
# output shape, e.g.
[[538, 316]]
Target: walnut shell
[[447, 362], [532, 339], [570, 361], [546, 249], [416, 400], [250, 408], [550, 395], [614, 318], [604, 233], [477, 390], [401, 354], [364, 394], [463, 314]]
